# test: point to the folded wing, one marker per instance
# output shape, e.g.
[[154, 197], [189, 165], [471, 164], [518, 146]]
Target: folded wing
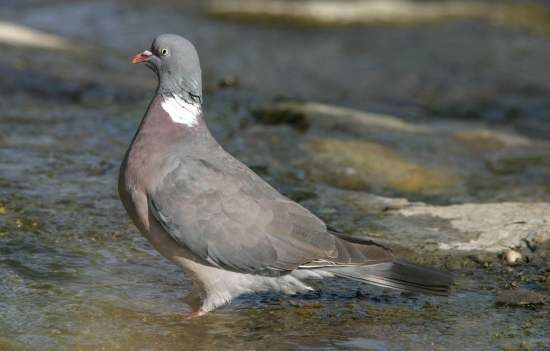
[[229, 217]]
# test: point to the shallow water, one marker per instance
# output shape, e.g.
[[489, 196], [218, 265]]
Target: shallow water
[[75, 274]]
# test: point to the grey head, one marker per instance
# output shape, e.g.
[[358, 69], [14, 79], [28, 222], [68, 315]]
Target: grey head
[[176, 63]]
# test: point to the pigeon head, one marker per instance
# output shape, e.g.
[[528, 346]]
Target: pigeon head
[[176, 64]]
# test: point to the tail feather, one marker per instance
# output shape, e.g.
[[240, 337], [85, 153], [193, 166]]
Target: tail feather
[[399, 275]]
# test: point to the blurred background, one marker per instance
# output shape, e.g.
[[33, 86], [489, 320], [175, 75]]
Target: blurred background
[[423, 124]]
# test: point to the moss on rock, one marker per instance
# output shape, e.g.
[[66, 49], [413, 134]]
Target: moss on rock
[[354, 164]]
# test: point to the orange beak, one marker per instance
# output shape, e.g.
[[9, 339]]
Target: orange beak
[[142, 57]]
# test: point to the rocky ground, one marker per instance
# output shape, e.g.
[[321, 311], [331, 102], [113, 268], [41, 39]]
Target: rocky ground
[[428, 133]]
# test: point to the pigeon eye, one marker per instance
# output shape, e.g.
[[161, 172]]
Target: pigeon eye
[[163, 52]]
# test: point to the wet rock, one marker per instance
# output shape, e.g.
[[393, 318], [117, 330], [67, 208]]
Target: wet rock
[[517, 164], [488, 140], [519, 297], [491, 227], [228, 81], [354, 164], [330, 13], [302, 114], [371, 203], [223, 83], [471, 161], [529, 16], [282, 114], [15, 34]]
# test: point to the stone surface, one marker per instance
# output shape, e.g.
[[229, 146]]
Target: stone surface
[[512, 257], [519, 297], [330, 12], [487, 140], [14, 34], [302, 114], [491, 227], [366, 165]]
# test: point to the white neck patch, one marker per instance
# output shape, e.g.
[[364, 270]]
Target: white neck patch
[[181, 111]]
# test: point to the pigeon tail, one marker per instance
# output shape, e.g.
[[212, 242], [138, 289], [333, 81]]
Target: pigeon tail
[[399, 275]]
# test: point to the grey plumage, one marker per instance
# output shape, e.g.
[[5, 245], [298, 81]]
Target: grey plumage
[[176, 63], [399, 275], [224, 225]]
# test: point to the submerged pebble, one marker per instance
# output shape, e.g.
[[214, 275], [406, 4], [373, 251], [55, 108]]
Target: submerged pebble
[[512, 257], [357, 164]]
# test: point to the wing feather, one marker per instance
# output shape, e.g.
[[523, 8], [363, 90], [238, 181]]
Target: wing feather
[[231, 218]]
